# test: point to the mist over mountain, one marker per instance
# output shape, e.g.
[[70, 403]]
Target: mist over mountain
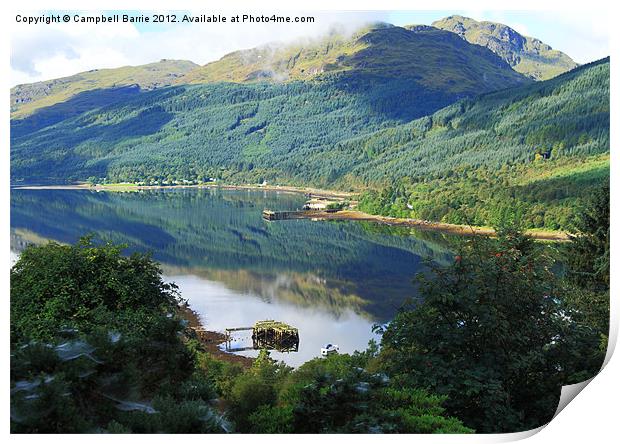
[[433, 61], [358, 111], [428, 56], [267, 101]]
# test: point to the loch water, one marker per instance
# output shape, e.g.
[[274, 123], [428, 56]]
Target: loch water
[[333, 280]]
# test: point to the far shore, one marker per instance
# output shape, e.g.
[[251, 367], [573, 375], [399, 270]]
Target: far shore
[[131, 187], [462, 230]]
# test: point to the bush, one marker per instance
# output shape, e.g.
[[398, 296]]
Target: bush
[[344, 398], [87, 287], [255, 388], [96, 345], [493, 334]]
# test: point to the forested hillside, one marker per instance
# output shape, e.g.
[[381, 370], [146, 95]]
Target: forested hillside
[[562, 117], [531, 154], [391, 109], [253, 130], [540, 143], [426, 58], [228, 131]]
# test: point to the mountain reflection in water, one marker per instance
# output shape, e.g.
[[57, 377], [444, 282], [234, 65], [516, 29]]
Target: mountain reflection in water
[[331, 280]]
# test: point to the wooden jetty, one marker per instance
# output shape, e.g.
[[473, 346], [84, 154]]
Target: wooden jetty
[[270, 335], [283, 215], [275, 335], [297, 214]]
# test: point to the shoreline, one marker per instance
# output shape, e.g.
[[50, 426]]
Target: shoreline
[[318, 192], [211, 339], [462, 230], [354, 215]]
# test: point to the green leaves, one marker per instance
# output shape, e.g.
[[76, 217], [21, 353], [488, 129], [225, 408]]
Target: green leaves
[[85, 286], [493, 334], [94, 340], [337, 394], [354, 400]]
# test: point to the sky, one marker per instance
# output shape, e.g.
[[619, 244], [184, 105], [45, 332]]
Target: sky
[[42, 52]]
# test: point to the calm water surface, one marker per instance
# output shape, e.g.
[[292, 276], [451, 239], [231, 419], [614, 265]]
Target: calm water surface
[[331, 280]]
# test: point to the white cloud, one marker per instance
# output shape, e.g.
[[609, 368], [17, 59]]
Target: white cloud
[[521, 28], [40, 52], [49, 51]]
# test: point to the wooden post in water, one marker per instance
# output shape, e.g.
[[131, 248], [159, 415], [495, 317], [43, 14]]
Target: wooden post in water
[[269, 335], [273, 335]]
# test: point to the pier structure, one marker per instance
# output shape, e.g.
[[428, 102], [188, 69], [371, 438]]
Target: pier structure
[[269, 335], [284, 215]]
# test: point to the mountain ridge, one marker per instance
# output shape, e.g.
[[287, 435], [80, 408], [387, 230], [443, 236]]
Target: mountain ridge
[[28, 97], [527, 55], [249, 128], [338, 52], [463, 116], [380, 49], [430, 59]]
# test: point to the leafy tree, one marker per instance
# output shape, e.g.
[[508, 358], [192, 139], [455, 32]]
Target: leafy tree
[[353, 400], [272, 419], [96, 344], [254, 389], [87, 287], [588, 272], [492, 334], [335, 394], [588, 256]]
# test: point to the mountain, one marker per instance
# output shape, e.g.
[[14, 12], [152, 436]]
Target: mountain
[[381, 76], [397, 74], [27, 98], [546, 143], [442, 124], [432, 58], [533, 153], [526, 55]]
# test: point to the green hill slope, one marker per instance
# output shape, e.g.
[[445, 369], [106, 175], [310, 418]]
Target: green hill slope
[[239, 132], [247, 131], [27, 98], [432, 58], [399, 112], [562, 117], [526, 55], [533, 153], [545, 144]]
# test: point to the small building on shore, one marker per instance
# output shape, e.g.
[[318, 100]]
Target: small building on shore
[[316, 204]]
